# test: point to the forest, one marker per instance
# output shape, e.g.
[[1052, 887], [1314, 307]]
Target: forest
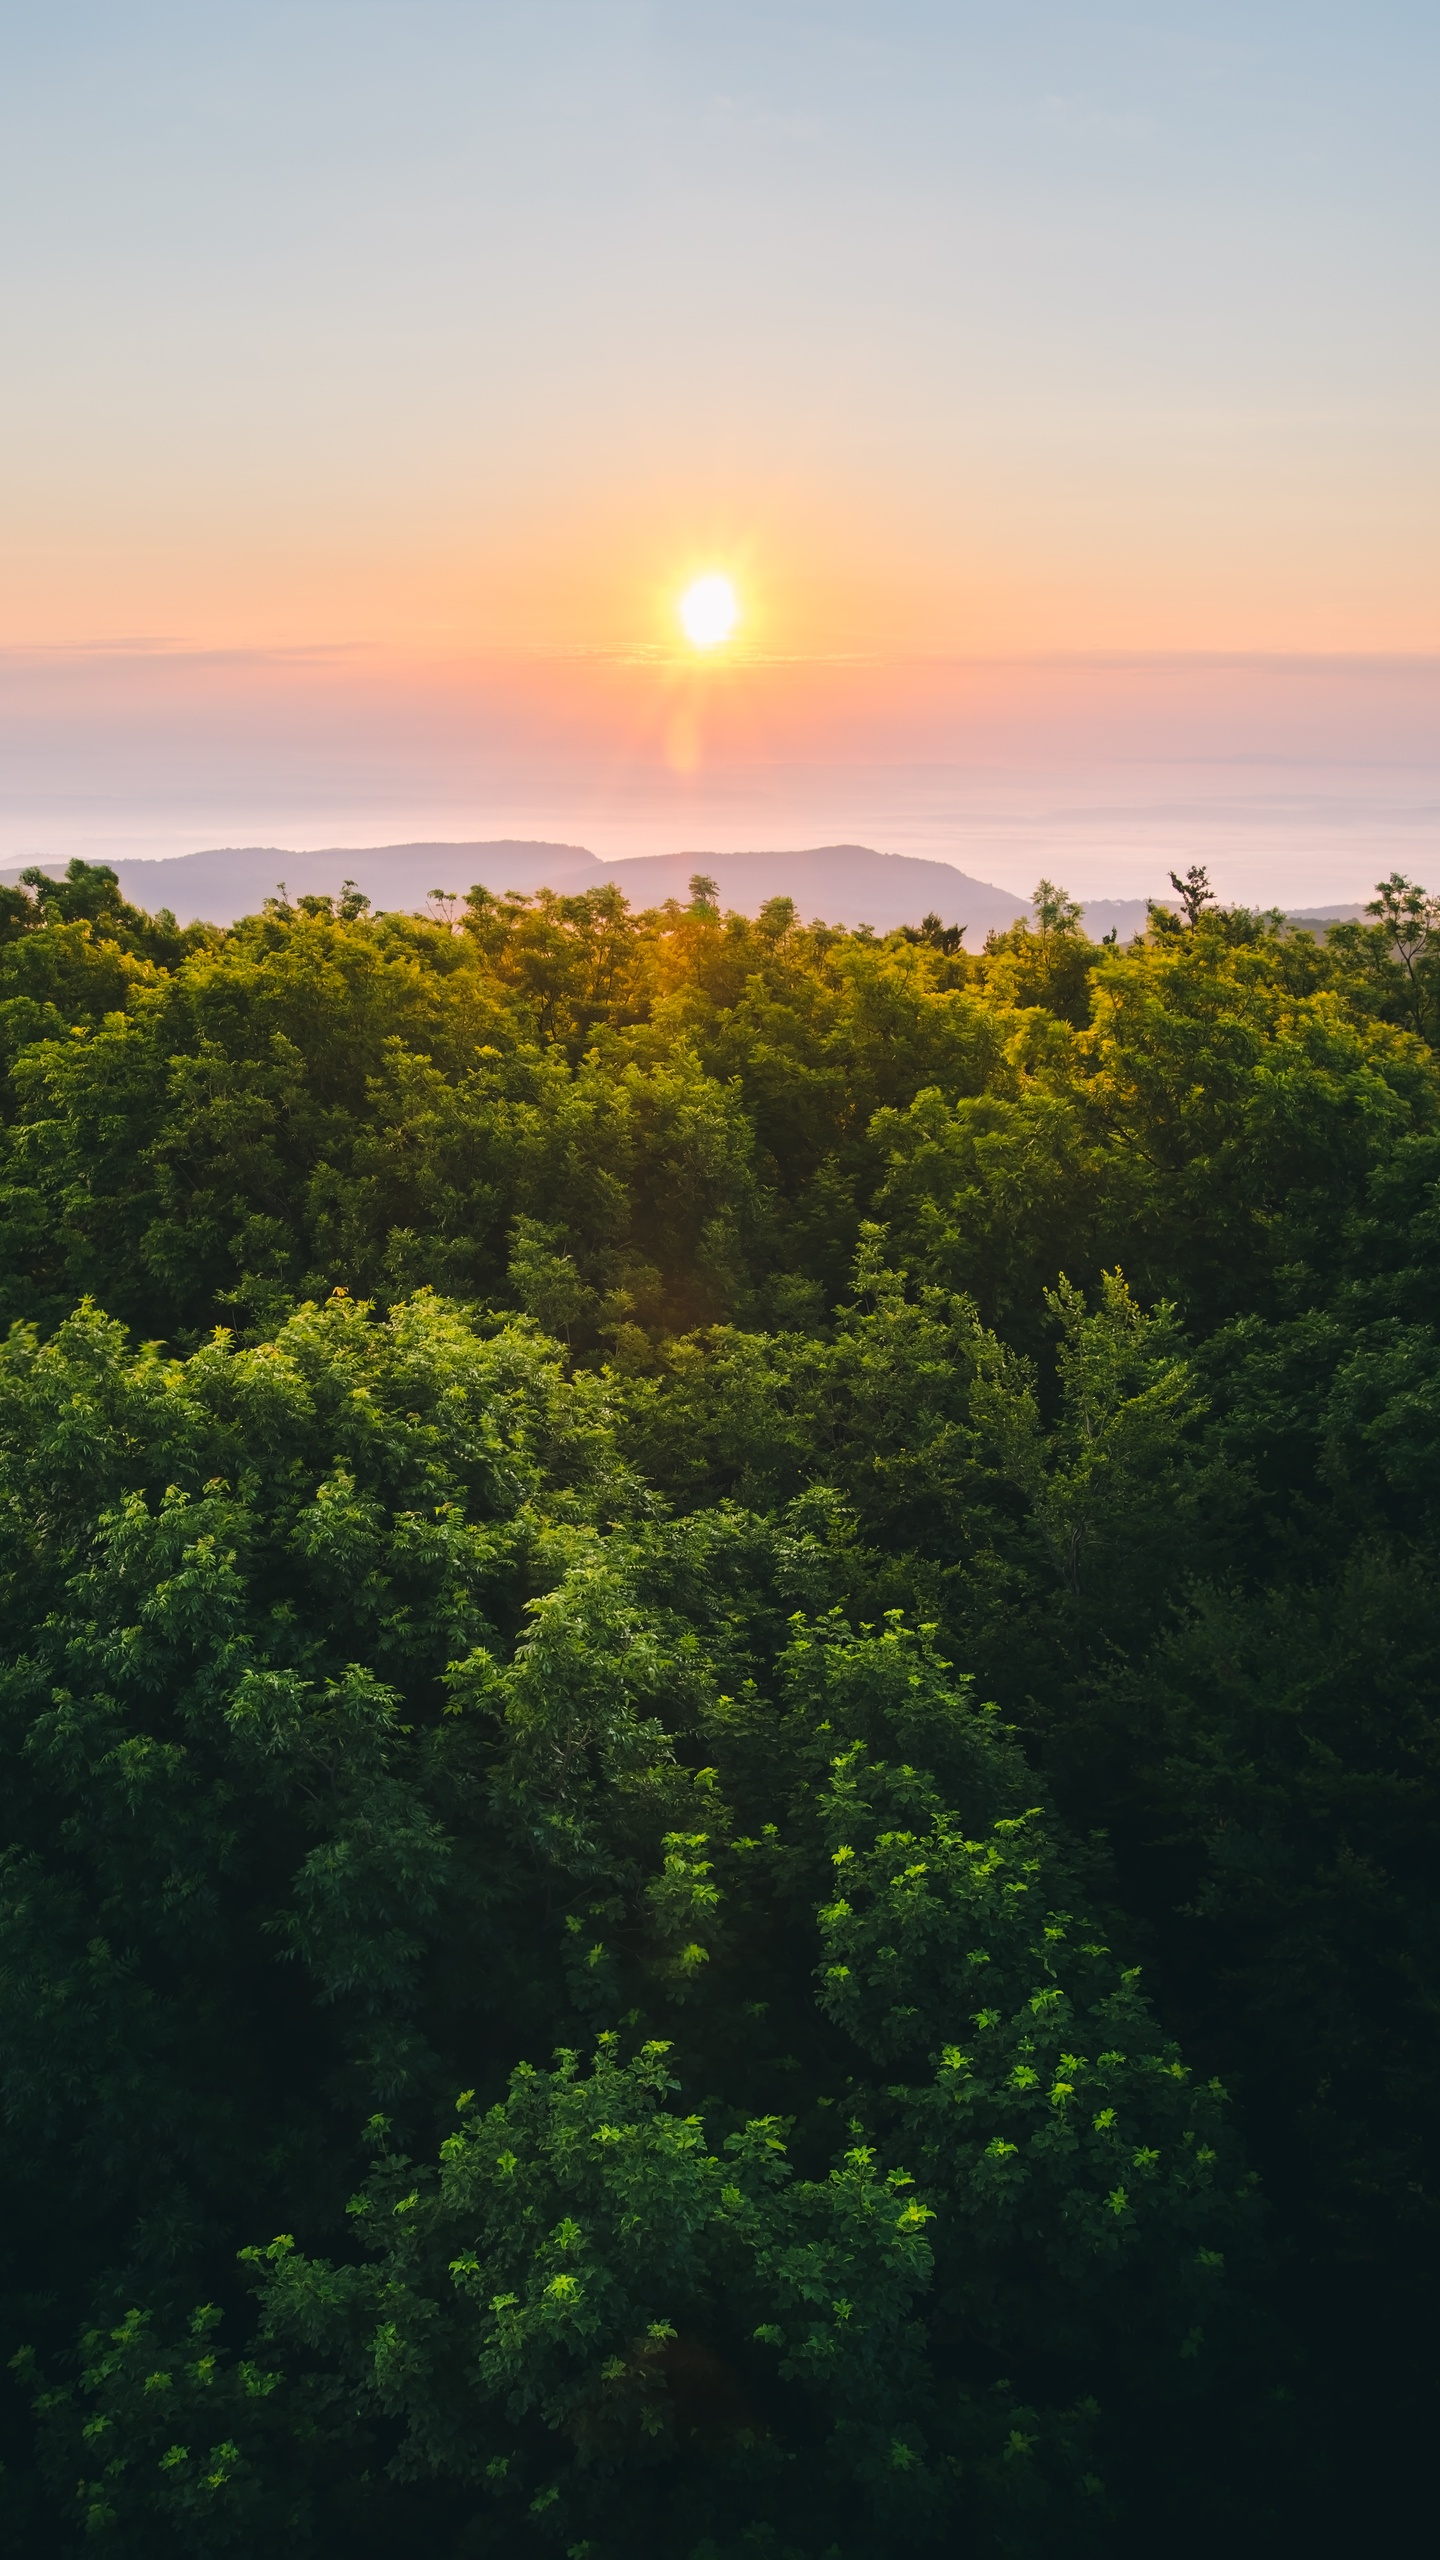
[[718, 1704]]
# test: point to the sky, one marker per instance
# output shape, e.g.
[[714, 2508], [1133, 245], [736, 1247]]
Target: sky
[[1058, 385]]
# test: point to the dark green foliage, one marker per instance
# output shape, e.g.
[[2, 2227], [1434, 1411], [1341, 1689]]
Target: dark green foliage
[[541, 2008]]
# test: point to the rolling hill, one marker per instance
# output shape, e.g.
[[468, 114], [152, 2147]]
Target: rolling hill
[[845, 884]]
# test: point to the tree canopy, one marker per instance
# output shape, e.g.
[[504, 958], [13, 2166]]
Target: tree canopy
[[718, 1708]]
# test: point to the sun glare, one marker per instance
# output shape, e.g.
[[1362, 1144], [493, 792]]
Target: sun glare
[[709, 611]]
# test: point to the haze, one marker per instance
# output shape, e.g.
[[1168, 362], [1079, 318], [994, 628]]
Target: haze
[[1059, 389]]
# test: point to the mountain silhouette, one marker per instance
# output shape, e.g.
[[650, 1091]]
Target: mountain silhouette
[[845, 884]]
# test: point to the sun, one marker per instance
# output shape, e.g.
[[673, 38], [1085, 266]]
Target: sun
[[709, 611]]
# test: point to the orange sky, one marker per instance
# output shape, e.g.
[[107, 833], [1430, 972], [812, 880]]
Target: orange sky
[[1112, 548], [444, 343]]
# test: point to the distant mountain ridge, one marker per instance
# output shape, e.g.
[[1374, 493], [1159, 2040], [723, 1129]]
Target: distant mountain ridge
[[846, 884]]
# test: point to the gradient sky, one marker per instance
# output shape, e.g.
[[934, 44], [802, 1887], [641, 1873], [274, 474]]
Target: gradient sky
[[375, 375]]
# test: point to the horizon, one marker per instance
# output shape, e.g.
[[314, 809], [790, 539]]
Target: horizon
[[1298, 781], [856, 886]]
